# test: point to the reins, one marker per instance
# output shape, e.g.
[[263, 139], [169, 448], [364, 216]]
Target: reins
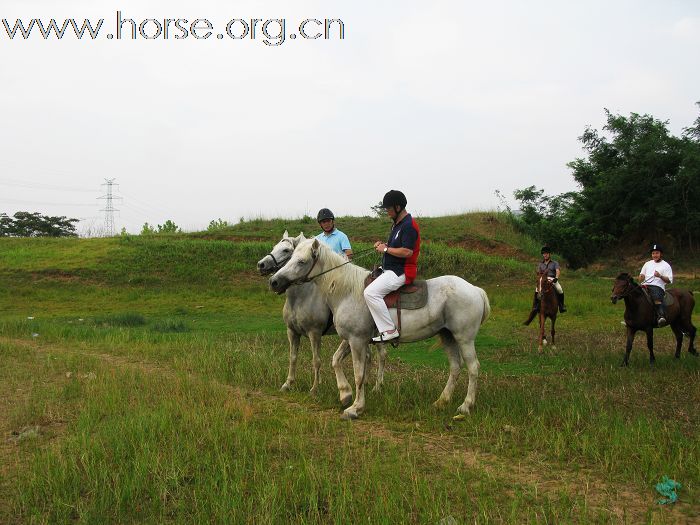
[[307, 279]]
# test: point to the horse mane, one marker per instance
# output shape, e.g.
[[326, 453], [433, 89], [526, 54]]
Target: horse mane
[[624, 276], [347, 280]]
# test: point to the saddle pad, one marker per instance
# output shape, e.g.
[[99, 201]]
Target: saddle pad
[[668, 297], [413, 296]]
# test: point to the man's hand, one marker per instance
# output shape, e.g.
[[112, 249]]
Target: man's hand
[[380, 247], [656, 273]]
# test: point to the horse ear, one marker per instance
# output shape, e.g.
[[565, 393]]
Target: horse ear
[[285, 235], [301, 236], [314, 248]]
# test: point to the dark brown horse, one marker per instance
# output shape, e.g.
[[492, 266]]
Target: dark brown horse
[[640, 315], [548, 307]]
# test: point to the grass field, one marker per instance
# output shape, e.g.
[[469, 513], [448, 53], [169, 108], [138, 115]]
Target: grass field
[[139, 382]]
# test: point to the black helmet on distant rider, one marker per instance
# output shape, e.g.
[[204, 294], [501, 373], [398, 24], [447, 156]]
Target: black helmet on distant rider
[[324, 214]]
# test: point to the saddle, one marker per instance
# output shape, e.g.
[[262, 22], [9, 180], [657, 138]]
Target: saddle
[[668, 298], [409, 297]]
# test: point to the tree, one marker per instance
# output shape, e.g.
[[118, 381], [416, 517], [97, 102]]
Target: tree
[[638, 183], [378, 209], [169, 227], [26, 224], [218, 225]]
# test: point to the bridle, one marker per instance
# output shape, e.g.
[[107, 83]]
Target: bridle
[[279, 265], [629, 287]]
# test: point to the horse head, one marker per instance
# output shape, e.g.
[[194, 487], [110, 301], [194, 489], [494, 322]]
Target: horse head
[[280, 254], [544, 285], [624, 284], [298, 267]]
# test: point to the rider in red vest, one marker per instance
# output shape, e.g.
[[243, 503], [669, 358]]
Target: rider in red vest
[[400, 253]]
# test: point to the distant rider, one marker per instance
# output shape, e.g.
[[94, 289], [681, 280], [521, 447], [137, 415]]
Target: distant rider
[[655, 275], [332, 236], [552, 269], [400, 253]]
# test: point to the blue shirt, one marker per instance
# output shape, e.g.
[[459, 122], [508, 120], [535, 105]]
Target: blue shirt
[[336, 241]]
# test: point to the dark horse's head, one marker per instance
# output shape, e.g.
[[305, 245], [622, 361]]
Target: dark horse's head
[[624, 284]]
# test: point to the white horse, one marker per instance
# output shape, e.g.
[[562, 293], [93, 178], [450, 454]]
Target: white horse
[[306, 313], [455, 310]]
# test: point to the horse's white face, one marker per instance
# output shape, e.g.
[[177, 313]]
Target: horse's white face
[[298, 267], [280, 254]]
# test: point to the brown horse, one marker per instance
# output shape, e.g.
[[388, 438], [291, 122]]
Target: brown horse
[[640, 315], [548, 307]]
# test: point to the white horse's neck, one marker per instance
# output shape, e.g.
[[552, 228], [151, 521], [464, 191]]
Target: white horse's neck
[[338, 280]]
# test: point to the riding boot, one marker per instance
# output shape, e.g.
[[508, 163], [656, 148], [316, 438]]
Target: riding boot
[[562, 308], [535, 303], [660, 314]]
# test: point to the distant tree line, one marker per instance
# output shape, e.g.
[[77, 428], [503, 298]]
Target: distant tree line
[[26, 224], [638, 183]]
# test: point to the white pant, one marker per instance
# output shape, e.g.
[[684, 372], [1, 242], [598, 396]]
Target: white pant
[[374, 297], [557, 286]]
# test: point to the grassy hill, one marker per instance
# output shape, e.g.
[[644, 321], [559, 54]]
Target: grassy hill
[[139, 382]]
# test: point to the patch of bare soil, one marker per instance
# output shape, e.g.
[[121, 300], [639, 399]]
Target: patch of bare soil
[[491, 247], [623, 505]]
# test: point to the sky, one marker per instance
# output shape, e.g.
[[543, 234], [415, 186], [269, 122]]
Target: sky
[[447, 101]]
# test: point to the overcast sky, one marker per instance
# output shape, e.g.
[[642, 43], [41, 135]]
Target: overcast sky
[[445, 100]]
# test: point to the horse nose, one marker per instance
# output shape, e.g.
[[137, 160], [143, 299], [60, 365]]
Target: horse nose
[[273, 283], [261, 265]]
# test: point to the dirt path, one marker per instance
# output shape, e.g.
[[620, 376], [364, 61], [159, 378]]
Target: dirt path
[[618, 504]]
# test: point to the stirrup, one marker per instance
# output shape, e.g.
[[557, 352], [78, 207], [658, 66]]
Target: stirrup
[[384, 337]]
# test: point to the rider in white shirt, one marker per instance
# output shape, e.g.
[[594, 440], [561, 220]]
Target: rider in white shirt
[[655, 275]]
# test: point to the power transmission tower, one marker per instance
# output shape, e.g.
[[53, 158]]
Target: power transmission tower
[[109, 209]]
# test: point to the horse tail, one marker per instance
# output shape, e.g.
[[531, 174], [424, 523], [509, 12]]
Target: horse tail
[[487, 306], [533, 313]]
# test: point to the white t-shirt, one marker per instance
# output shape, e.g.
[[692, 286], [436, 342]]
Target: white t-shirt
[[662, 267]]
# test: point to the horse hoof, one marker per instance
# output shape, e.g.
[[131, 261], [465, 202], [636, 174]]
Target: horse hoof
[[348, 416], [346, 402], [440, 404], [285, 387], [624, 364], [554, 348], [544, 342], [313, 390], [463, 410]]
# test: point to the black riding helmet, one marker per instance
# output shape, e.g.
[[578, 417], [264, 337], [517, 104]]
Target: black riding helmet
[[545, 249], [323, 214], [395, 200], [656, 247]]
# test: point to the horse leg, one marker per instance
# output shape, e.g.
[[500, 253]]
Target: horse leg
[[650, 345], [344, 389], [542, 337], [679, 339], [469, 355], [358, 348], [294, 339], [628, 349], [315, 339], [381, 349], [554, 320], [452, 351], [691, 335]]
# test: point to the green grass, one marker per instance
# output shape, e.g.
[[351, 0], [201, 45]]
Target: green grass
[[157, 400]]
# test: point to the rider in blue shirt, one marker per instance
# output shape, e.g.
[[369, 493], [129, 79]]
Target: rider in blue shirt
[[332, 236]]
